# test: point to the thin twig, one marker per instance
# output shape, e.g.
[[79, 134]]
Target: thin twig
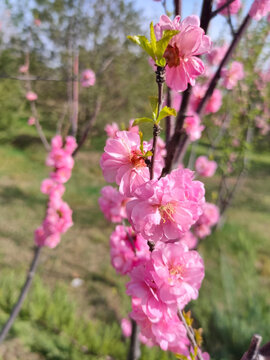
[[218, 10], [253, 350], [89, 126], [75, 106], [160, 78], [190, 334], [24, 291], [229, 21], [134, 349]]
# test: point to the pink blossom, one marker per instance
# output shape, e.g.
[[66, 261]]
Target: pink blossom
[[178, 273], [216, 54], [61, 175], [48, 186], [193, 127], [210, 215], [202, 230], [111, 129], [31, 121], [57, 142], [133, 128], [59, 158], [123, 162], [88, 78], [31, 96], [189, 239], [43, 239], [213, 104], [113, 204], [259, 9], [183, 63], [165, 209], [205, 167], [59, 216], [232, 75], [23, 69], [234, 7], [70, 145], [126, 327], [37, 22], [127, 249]]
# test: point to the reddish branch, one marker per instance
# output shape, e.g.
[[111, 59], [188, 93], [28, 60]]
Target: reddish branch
[[24, 291]]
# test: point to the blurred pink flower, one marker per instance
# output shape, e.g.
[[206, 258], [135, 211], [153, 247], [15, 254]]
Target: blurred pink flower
[[111, 129], [127, 249], [193, 127], [259, 9], [213, 104], [183, 63], [126, 327], [232, 75], [37, 22], [88, 78], [189, 239], [216, 54], [205, 167], [23, 69], [113, 204], [31, 121], [31, 96], [234, 7]]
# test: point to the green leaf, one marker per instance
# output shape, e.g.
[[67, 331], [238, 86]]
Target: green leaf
[[141, 121], [153, 38], [154, 104], [148, 153], [141, 141], [166, 111], [161, 62], [144, 43], [181, 357], [163, 42]]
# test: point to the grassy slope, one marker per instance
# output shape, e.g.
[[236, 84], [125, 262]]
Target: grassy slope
[[233, 299]]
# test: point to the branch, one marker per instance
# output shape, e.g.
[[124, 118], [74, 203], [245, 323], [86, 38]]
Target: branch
[[134, 349], [253, 350], [217, 11], [224, 61], [74, 120], [17, 307], [89, 125], [190, 334]]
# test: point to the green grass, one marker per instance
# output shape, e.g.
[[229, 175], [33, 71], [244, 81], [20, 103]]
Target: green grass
[[61, 322]]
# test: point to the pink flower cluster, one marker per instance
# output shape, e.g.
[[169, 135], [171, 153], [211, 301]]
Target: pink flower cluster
[[193, 127], [88, 78], [212, 105], [233, 74], [160, 211], [159, 287], [205, 167], [31, 96], [183, 63], [234, 7], [128, 249], [259, 9], [208, 219], [58, 217]]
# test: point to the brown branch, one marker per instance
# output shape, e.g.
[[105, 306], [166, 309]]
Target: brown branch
[[75, 100], [253, 350], [218, 10], [177, 7], [224, 61], [89, 126], [134, 349], [17, 307]]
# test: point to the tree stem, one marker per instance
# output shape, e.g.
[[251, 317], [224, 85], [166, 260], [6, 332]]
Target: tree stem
[[17, 307], [134, 349]]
